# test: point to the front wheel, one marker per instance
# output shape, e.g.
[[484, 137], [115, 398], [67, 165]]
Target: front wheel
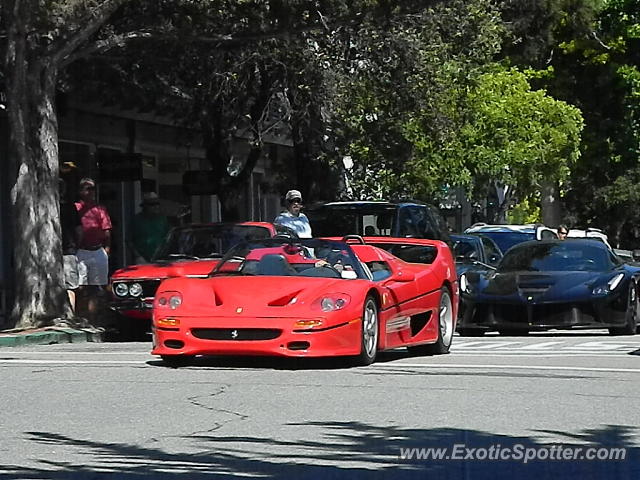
[[445, 328], [631, 316], [369, 333]]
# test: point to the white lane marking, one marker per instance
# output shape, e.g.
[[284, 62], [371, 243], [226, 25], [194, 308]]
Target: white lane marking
[[539, 355], [73, 362], [487, 345], [510, 367], [602, 346], [540, 346]]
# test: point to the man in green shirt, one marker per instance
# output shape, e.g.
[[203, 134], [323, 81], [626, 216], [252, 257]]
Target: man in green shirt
[[149, 229]]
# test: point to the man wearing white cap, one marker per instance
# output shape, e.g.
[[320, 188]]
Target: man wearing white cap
[[293, 217]]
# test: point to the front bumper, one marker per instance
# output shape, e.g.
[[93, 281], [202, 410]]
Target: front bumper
[[140, 308], [255, 336], [598, 313]]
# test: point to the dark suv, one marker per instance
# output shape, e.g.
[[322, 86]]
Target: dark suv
[[382, 219]]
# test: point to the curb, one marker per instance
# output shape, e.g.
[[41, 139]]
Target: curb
[[50, 336]]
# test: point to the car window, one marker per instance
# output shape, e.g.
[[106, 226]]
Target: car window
[[506, 240], [465, 249], [491, 250], [379, 270], [548, 234]]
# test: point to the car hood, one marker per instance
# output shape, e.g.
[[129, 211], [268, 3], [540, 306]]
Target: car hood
[[259, 296], [532, 286], [180, 268]]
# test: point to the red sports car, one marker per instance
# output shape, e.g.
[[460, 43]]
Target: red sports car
[[191, 251], [310, 298]]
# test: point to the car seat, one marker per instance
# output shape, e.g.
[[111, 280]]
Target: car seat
[[274, 265]]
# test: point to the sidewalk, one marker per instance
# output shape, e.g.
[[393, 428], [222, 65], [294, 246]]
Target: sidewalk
[[49, 335]]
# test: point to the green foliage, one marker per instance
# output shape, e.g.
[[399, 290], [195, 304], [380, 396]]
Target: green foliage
[[526, 211], [401, 93]]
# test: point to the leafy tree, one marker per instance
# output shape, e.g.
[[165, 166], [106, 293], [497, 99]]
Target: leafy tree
[[601, 75], [402, 96], [517, 136]]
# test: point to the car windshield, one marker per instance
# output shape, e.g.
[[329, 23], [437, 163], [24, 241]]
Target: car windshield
[[292, 257], [339, 220], [506, 240], [206, 241], [563, 256]]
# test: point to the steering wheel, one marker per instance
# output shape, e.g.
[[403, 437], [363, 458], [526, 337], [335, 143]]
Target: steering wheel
[[332, 269]]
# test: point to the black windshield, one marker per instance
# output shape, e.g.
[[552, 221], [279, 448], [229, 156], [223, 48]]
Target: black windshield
[[556, 256], [207, 241]]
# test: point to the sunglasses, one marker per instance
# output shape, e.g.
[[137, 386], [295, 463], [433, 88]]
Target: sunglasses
[[295, 200], [563, 233]]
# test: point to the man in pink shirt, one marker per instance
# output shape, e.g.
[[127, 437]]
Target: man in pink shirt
[[95, 247]]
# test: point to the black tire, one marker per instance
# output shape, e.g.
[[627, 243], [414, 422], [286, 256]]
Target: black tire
[[445, 328], [175, 361], [631, 315], [369, 333]]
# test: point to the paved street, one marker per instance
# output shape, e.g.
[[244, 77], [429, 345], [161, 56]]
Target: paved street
[[112, 411]]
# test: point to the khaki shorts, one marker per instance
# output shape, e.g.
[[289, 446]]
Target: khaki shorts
[[71, 276]]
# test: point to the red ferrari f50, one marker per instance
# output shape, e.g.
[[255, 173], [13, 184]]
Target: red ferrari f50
[[310, 298]]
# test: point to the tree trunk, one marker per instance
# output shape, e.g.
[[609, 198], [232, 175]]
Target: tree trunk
[[550, 204], [40, 296]]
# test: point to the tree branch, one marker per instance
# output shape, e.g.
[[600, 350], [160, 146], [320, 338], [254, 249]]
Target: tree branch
[[101, 46], [64, 47]]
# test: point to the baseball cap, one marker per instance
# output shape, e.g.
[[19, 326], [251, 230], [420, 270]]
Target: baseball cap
[[292, 194]]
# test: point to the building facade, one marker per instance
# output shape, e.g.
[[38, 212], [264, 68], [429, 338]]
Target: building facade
[[129, 153]]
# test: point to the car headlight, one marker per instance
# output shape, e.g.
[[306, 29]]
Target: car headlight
[[170, 300], [465, 284], [331, 303], [610, 286], [135, 289], [121, 289]]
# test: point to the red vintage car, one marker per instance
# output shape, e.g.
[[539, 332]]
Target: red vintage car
[[191, 251], [310, 298]]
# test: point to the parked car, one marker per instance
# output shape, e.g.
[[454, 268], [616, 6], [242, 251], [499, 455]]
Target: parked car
[[590, 233], [192, 251], [378, 219], [539, 285], [506, 236], [308, 298], [475, 251]]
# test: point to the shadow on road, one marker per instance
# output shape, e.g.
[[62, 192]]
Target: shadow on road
[[346, 450], [283, 363]]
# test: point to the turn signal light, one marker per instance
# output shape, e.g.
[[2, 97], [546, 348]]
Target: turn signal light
[[308, 323], [168, 322]]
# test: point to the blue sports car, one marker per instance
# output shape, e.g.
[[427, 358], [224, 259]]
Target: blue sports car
[[540, 285]]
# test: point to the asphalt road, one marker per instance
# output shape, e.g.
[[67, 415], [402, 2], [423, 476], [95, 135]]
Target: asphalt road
[[94, 411]]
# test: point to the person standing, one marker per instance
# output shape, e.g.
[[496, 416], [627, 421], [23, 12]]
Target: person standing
[[293, 217], [71, 229], [95, 246], [149, 229]]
